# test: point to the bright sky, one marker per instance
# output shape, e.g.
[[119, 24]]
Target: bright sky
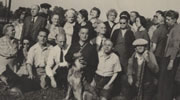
[[144, 7]]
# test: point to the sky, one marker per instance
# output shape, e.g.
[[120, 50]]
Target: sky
[[146, 8]]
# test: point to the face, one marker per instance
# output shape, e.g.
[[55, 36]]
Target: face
[[102, 28], [70, 18], [26, 43], [83, 34], [80, 19], [123, 23], [93, 14], [107, 47], [42, 37], [61, 41], [138, 23], [155, 19], [55, 19], [10, 32], [45, 10], [170, 21], [112, 16], [160, 19], [140, 49], [34, 10], [133, 17], [22, 16], [94, 23]]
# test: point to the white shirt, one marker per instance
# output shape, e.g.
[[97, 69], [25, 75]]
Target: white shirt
[[37, 56], [69, 29], [100, 39], [54, 59], [123, 32], [111, 24], [108, 65]]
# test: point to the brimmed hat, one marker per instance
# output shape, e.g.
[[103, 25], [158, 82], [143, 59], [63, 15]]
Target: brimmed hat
[[139, 42], [45, 5]]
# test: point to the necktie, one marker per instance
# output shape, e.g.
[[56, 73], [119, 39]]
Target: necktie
[[33, 19], [61, 55], [101, 44]]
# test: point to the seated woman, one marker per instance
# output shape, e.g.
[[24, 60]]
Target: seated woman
[[22, 56], [54, 28]]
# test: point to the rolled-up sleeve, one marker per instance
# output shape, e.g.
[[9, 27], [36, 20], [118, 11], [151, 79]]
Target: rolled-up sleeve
[[50, 64]]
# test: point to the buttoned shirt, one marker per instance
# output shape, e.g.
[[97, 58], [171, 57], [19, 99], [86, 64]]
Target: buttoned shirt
[[69, 29], [54, 59], [8, 50], [108, 65], [37, 56]]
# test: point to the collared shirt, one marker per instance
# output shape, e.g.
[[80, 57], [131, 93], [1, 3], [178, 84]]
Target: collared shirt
[[111, 24], [54, 59], [173, 43], [37, 56], [123, 32], [100, 39], [108, 65], [151, 31], [35, 18], [8, 49]]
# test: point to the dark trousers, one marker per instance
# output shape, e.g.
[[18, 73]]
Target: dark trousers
[[167, 80], [61, 77]]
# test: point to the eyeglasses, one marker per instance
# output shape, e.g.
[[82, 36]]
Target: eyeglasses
[[25, 43], [122, 23]]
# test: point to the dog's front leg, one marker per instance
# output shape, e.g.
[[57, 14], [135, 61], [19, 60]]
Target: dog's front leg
[[69, 93]]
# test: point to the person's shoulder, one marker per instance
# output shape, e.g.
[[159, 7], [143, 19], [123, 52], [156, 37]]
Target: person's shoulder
[[114, 56], [34, 47]]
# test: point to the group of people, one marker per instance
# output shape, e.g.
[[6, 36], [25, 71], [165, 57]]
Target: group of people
[[126, 58]]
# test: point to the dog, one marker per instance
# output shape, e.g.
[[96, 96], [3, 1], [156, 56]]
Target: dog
[[77, 84]]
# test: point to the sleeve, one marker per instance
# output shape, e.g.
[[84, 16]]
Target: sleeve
[[153, 63], [30, 57], [50, 64], [117, 66], [176, 46], [155, 37], [130, 66]]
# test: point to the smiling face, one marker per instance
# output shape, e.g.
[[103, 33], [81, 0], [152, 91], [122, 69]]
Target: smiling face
[[61, 40], [70, 18], [42, 37], [107, 47], [111, 16], [10, 31], [101, 28], [123, 23], [83, 34], [80, 19], [55, 19]]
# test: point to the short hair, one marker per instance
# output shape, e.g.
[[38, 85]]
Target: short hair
[[136, 13], [44, 30], [71, 11], [124, 17], [36, 6], [111, 11], [125, 13], [173, 14], [84, 14], [161, 13], [6, 27], [143, 21], [98, 11], [84, 27], [108, 40]]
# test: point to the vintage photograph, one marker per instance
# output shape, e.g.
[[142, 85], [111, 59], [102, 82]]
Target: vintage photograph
[[89, 50]]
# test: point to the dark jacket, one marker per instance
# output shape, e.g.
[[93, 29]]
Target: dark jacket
[[108, 29]]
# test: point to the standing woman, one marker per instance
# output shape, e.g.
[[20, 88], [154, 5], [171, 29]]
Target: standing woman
[[54, 28], [141, 31], [82, 19], [71, 26]]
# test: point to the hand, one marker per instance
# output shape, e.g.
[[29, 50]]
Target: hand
[[130, 80], [78, 54], [53, 83], [31, 76], [106, 87], [170, 65]]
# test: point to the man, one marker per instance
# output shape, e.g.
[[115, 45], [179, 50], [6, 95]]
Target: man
[[37, 58], [171, 59], [32, 24], [84, 49], [45, 10], [141, 68], [153, 27], [159, 36], [111, 16], [99, 40], [107, 70], [8, 50], [57, 66]]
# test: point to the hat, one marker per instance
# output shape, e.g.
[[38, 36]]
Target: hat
[[45, 5], [140, 42]]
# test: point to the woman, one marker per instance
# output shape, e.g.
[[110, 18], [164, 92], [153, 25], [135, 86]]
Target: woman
[[18, 24], [22, 56], [82, 19], [141, 31], [54, 28]]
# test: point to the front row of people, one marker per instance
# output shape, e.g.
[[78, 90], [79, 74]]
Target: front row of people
[[102, 67]]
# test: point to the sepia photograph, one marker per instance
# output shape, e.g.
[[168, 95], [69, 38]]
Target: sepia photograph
[[89, 50]]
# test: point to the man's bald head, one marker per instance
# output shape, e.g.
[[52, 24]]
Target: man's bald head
[[35, 10], [61, 40], [101, 28]]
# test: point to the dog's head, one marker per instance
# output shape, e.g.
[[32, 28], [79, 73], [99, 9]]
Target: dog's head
[[80, 63]]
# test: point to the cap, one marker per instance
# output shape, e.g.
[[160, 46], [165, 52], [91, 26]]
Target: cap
[[45, 5], [140, 42]]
